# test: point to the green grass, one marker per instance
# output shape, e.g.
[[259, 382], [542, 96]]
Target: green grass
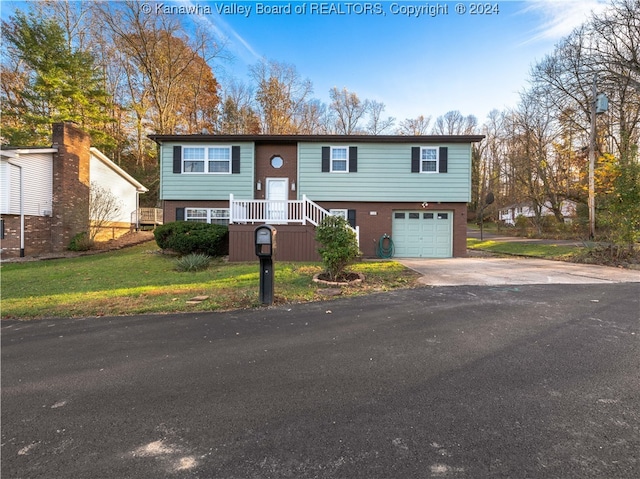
[[139, 280], [546, 251]]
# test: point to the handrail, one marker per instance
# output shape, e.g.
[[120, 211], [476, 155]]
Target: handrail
[[278, 212]]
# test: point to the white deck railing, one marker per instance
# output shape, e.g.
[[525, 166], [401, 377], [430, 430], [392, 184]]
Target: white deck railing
[[278, 212]]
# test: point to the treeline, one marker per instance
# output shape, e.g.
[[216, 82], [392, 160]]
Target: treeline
[[123, 74], [537, 152]]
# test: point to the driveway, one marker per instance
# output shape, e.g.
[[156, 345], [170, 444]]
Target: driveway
[[490, 271]]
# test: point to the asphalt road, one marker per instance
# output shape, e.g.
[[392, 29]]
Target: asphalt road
[[533, 381]]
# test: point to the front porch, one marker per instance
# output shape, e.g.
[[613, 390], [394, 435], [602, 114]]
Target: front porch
[[294, 220]]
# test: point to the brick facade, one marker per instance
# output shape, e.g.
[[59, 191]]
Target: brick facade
[[37, 235], [71, 184]]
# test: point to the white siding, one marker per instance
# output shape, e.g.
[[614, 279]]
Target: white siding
[[106, 177], [37, 169]]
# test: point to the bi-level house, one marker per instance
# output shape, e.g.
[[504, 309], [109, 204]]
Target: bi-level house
[[414, 189]]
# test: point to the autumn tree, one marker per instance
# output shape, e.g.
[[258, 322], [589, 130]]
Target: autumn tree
[[281, 95]]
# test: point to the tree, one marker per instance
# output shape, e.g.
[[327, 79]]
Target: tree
[[377, 125], [104, 207], [414, 126], [164, 63], [281, 96], [347, 109], [51, 81], [454, 123]]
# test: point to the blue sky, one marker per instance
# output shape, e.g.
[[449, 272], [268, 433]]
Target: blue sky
[[415, 65], [424, 65]]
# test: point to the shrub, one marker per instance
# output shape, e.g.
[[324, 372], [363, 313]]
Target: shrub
[[339, 245], [185, 237], [193, 262], [81, 242]]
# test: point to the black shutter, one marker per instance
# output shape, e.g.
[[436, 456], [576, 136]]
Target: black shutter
[[353, 159], [235, 159], [443, 159], [415, 159], [326, 159], [351, 217], [177, 159], [179, 214]]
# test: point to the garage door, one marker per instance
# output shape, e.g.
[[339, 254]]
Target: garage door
[[419, 234]]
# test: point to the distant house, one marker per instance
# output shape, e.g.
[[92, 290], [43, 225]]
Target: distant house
[[509, 214], [414, 189], [44, 193]]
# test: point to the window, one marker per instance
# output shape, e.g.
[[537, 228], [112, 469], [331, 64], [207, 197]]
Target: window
[[206, 160], [277, 162], [339, 158], [339, 212], [427, 216], [219, 216], [428, 160]]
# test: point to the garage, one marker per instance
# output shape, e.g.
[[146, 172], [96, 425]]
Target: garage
[[421, 234]]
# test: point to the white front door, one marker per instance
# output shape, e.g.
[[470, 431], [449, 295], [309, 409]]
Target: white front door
[[277, 196]]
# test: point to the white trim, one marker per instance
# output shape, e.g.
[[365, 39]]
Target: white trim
[[331, 159], [206, 160], [437, 159], [104, 159]]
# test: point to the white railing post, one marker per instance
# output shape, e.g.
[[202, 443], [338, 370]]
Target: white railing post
[[230, 208]]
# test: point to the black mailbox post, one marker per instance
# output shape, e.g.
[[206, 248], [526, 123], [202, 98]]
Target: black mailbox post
[[265, 250]]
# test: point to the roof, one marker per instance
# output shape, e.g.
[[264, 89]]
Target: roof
[[102, 157], [319, 138]]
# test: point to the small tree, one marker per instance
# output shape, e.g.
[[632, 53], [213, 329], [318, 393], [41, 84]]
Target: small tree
[[104, 207], [339, 245]]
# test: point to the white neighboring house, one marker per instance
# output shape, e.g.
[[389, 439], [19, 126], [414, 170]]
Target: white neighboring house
[[44, 193], [509, 214], [107, 174]]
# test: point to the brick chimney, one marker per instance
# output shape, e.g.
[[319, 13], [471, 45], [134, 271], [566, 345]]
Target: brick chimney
[[71, 184]]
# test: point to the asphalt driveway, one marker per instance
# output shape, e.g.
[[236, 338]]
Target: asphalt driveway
[[490, 271]]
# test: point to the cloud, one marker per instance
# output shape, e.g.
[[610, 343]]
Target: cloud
[[225, 32], [558, 18]]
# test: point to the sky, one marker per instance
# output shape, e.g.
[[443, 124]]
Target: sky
[[418, 58], [415, 57]]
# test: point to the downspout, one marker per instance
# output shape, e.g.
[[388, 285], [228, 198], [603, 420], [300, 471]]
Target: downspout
[[21, 210]]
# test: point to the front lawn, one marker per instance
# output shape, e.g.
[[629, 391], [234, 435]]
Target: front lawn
[[140, 280], [536, 250]]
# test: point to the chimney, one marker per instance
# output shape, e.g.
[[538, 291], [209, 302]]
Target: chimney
[[71, 184]]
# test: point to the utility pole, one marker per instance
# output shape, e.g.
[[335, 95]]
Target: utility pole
[[599, 104], [592, 162]]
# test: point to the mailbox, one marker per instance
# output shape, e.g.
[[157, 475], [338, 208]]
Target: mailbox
[[265, 250], [265, 241]]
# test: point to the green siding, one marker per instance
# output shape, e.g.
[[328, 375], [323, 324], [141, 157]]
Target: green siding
[[174, 186], [384, 174]]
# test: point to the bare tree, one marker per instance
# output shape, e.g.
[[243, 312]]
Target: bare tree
[[414, 126], [454, 123], [378, 125], [347, 109], [104, 208]]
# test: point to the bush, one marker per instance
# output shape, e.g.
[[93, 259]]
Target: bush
[[81, 242], [193, 262], [339, 245], [186, 237]]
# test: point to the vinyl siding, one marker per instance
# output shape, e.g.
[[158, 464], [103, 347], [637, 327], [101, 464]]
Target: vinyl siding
[[175, 186], [126, 193], [37, 169], [384, 174]]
